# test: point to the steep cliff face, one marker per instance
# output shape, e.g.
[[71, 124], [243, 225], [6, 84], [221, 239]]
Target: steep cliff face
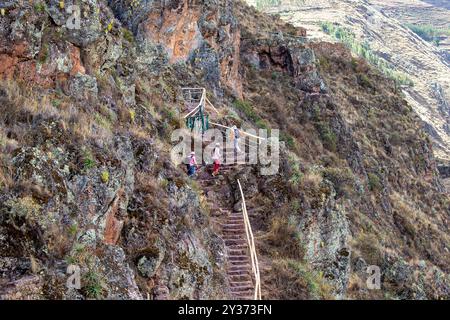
[[86, 177], [206, 34]]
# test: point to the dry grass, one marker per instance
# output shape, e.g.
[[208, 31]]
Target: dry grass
[[424, 232], [368, 246], [23, 107], [283, 239], [294, 280], [311, 181]]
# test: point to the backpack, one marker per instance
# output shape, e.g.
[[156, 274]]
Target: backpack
[[236, 134]]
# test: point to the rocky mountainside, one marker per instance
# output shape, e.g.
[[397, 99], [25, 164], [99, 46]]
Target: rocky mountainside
[[86, 176], [425, 13], [383, 26]]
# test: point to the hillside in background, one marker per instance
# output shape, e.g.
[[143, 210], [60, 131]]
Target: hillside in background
[[86, 177], [430, 16], [384, 27]]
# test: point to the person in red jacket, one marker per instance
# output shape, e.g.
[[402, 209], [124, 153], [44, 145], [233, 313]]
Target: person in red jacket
[[216, 158]]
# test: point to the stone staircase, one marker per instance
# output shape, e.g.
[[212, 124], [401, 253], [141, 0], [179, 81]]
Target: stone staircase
[[239, 270]]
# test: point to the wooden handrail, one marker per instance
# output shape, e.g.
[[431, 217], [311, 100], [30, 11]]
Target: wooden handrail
[[212, 106], [252, 248], [243, 132]]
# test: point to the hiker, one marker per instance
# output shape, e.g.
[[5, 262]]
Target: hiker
[[216, 158], [236, 136], [192, 165]]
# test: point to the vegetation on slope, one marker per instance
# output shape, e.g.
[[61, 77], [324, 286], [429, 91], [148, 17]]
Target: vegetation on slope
[[365, 51], [428, 32]]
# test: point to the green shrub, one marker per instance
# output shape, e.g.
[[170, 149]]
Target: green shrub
[[105, 176], [296, 175], [170, 116], [324, 63], [374, 182], [288, 139], [102, 121], [73, 229], [25, 208], [56, 103], [295, 206], [342, 178], [395, 138], [128, 35], [262, 124], [93, 287], [132, 115], [428, 32], [246, 108], [329, 138], [364, 81], [40, 7], [88, 160]]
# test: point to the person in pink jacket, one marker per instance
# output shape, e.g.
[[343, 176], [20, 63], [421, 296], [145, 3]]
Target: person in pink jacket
[[192, 166]]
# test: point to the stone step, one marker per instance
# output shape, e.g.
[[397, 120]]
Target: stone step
[[233, 237], [235, 270], [238, 246], [240, 277], [234, 232], [236, 228], [237, 251], [241, 284], [242, 267], [236, 221], [242, 288], [232, 225], [240, 273], [238, 258], [234, 242], [233, 217], [235, 213], [246, 275], [239, 263]]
